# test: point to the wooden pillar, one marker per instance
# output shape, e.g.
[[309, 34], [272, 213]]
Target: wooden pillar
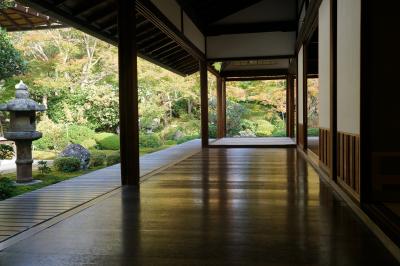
[[220, 107], [287, 107], [290, 108], [204, 103], [224, 106], [333, 91], [128, 93], [305, 98]]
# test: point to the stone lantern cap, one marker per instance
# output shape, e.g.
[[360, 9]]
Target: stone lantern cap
[[22, 103]]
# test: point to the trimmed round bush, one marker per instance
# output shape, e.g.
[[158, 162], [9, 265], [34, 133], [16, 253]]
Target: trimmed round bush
[[67, 164], [97, 160], [78, 134], [89, 143], [113, 159], [150, 141], [264, 128], [107, 141], [7, 188]]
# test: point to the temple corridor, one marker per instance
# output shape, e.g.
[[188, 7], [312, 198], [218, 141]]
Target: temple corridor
[[219, 207]]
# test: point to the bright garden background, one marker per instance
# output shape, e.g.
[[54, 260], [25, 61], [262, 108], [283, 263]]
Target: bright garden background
[[75, 76]]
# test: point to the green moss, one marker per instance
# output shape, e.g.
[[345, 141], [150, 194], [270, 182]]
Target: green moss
[[107, 141], [44, 155]]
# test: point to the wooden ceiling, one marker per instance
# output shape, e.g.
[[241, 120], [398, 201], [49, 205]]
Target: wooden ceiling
[[20, 18], [99, 18], [206, 12], [155, 42]]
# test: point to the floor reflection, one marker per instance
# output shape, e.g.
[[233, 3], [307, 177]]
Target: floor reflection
[[218, 207]]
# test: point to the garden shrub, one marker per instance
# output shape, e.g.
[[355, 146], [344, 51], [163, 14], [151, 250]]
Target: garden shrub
[[97, 160], [43, 167], [54, 137], [248, 125], [279, 133], [89, 143], [78, 134], [264, 128], [107, 141], [6, 152], [187, 138], [7, 188], [113, 159], [150, 141], [67, 164], [313, 132], [170, 142]]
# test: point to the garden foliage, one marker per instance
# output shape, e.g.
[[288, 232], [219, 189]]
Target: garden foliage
[[67, 164]]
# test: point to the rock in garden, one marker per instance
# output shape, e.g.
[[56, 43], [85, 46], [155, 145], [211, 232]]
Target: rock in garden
[[178, 134], [77, 151]]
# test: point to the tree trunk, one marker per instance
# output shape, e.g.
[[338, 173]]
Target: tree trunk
[[189, 110]]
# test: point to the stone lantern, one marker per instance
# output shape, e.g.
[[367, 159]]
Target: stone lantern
[[22, 129]]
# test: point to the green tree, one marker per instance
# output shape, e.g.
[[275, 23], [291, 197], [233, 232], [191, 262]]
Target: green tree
[[11, 62]]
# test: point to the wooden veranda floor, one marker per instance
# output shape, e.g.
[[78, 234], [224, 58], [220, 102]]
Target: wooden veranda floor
[[252, 142], [217, 207], [31, 209]]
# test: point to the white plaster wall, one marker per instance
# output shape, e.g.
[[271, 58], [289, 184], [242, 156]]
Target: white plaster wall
[[193, 33], [300, 85], [348, 65], [171, 10], [324, 61], [251, 44]]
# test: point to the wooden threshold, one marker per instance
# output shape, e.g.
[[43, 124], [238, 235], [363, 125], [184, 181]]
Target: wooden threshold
[[251, 142]]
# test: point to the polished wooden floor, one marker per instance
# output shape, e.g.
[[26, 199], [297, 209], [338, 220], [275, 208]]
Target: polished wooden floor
[[218, 207], [26, 211]]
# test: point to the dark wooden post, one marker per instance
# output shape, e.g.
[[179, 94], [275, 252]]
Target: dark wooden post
[[333, 91], [128, 93], [204, 103], [305, 98], [224, 106], [287, 107], [220, 111], [290, 103]]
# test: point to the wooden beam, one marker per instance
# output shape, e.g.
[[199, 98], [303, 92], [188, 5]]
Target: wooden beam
[[244, 58], [310, 22], [274, 26], [280, 77], [204, 103], [254, 73], [128, 94]]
